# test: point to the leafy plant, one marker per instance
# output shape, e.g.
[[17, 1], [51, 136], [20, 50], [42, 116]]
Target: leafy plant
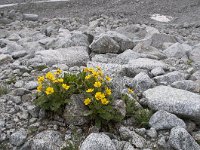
[[140, 115], [55, 90], [3, 90]]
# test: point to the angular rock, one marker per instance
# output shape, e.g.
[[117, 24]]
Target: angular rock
[[74, 113], [47, 140], [188, 85], [31, 85], [163, 120], [178, 51], [142, 82], [123, 41], [133, 137], [19, 137], [97, 141], [196, 75], [123, 145], [30, 17], [18, 54], [120, 106], [104, 44], [180, 139], [157, 71], [174, 100], [194, 54], [145, 63], [169, 78], [158, 39], [72, 56], [4, 59]]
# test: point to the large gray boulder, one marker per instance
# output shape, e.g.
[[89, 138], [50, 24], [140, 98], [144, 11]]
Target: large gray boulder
[[72, 56], [142, 82], [145, 63], [188, 85], [5, 58], [97, 141], [178, 51], [47, 140], [164, 120], [174, 100], [169, 78], [105, 44], [194, 54], [180, 139], [18, 137]]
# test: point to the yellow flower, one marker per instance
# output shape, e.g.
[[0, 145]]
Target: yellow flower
[[65, 86], [50, 76], [49, 90], [130, 91], [60, 80], [89, 90], [99, 96], [39, 88], [95, 74], [97, 84], [88, 77], [86, 70], [108, 91], [104, 101], [87, 101], [40, 79], [108, 78], [58, 71]]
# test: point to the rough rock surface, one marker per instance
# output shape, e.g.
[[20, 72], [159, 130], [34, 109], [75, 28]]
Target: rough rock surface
[[164, 120], [174, 100], [97, 141]]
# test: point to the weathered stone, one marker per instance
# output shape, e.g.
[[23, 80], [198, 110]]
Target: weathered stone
[[135, 139], [123, 145], [31, 85], [194, 54], [4, 59], [157, 71], [145, 63], [104, 44], [174, 100], [142, 82], [74, 113], [158, 39], [180, 139], [30, 17], [18, 54], [120, 106], [97, 141], [169, 78], [178, 51], [196, 75], [33, 110], [47, 140], [164, 120], [20, 92], [188, 85], [72, 56], [152, 133], [19, 137]]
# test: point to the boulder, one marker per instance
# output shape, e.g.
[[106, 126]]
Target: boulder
[[72, 56], [18, 137], [30, 17], [169, 78], [174, 100], [163, 120], [180, 139], [178, 51], [194, 54], [97, 141], [5, 58], [104, 44], [145, 63], [47, 140]]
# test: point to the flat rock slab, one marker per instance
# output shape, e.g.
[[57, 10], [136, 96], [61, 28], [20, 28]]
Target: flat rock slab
[[174, 100]]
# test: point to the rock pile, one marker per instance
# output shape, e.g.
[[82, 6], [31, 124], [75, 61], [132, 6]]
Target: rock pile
[[163, 69]]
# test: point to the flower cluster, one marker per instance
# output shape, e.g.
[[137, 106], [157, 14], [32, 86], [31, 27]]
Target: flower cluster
[[47, 83], [97, 90]]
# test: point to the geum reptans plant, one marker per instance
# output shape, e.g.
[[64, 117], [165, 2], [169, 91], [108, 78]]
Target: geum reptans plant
[[56, 88]]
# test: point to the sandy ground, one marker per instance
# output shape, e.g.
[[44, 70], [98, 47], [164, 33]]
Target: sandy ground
[[138, 11]]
